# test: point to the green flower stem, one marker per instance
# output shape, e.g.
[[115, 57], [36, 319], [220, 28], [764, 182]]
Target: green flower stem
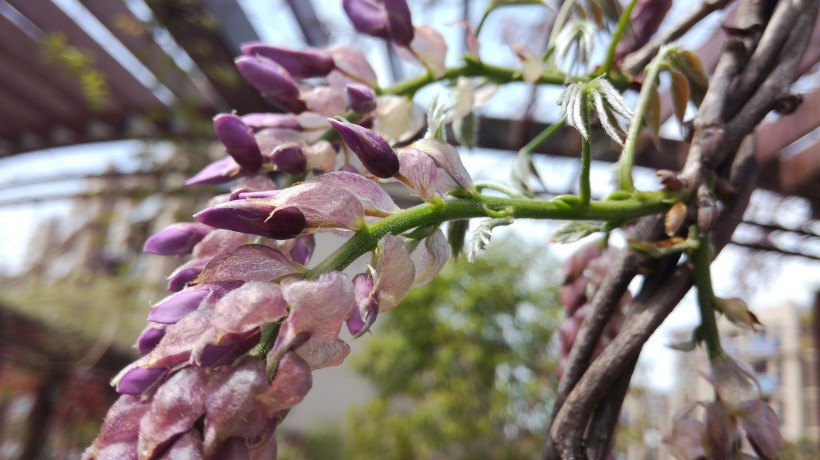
[[481, 185], [586, 157], [470, 68], [623, 23], [701, 259], [268, 337], [542, 137], [562, 208], [628, 155]]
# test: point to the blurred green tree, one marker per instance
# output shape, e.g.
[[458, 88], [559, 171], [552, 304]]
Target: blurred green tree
[[461, 367]]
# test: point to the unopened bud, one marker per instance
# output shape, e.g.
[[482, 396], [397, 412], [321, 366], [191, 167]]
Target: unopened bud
[[255, 218], [373, 150], [238, 141], [362, 97], [289, 158], [176, 239], [299, 63], [273, 81]]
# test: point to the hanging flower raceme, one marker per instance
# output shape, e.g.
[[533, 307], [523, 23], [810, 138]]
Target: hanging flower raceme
[[230, 350]]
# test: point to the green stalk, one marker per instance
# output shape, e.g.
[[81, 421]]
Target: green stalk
[[623, 23], [481, 185], [562, 208], [701, 259], [470, 68], [586, 155], [627, 159], [542, 137]]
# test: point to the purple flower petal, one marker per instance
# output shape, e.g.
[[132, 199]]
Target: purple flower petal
[[302, 248], [299, 63], [176, 239], [231, 348], [761, 425], [176, 306], [137, 379], [367, 305], [238, 141], [218, 172], [373, 151], [149, 339]]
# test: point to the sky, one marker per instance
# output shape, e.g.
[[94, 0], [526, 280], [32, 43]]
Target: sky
[[791, 280]]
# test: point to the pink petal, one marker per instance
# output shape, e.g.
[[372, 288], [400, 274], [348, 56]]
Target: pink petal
[[395, 272], [251, 262], [430, 258], [446, 157], [370, 193]]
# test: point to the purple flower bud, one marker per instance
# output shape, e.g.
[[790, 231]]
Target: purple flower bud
[[388, 19], [179, 279], [255, 218], [399, 22], [176, 306], [258, 121], [273, 81], [367, 17], [218, 172], [362, 97], [149, 339], [137, 379], [373, 151], [289, 158], [176, 239], [238, 141], [299, 63]]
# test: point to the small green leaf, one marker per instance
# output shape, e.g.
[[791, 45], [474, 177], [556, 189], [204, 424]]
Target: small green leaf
[[574, 231], [690, 66], [652, 115], [457, 234], [680, 94]]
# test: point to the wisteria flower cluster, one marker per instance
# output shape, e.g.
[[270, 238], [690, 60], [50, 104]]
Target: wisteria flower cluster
[[231, 350]]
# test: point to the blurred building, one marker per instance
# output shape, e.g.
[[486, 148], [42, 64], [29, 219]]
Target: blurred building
[[784, 358]]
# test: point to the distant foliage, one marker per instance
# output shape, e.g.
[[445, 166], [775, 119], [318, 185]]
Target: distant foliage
[[464, 368]]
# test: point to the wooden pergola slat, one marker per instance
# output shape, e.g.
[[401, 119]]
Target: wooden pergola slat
[[133, 34], [195, 31], [124, 86]]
